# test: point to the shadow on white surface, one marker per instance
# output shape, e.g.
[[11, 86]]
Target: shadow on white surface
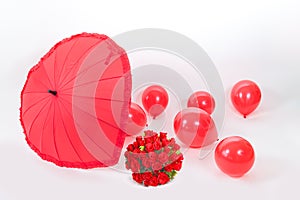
[[265, 169], [23, 175], [271, 101]]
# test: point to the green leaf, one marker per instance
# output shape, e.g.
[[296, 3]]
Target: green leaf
[[169, 174], [142, 148], [177, 152], [173, 174]]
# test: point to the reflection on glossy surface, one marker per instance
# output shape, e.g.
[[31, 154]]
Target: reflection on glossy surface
[[202, 100], [195, 128], [155, 100], [137, 119], [234, 156], [245, 97]]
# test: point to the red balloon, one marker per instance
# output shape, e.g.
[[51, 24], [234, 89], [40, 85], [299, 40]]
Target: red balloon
[[202, 100], [195, 128], [245, 97], [137, 119], [234, 156], [155, 100]]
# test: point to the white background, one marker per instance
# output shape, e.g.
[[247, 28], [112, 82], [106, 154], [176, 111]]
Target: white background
[[257, 39]]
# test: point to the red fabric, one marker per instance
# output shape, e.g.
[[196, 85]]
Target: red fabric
[[81, 126]]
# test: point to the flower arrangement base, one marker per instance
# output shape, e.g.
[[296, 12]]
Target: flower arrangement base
[[153, 159]]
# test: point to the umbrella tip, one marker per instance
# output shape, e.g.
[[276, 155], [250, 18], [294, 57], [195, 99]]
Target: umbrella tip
[[53, 92]]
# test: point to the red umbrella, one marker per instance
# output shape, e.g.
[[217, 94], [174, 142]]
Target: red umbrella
[[75, 102]]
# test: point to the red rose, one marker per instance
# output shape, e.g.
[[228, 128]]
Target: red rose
[[137, 177], [138, 139], [173, 157], [163, 178], [149, 133], [148, 140], [153, 181], [134, 165], [167, 150], [162, 135], [157, 166], [130, 147], [137, 150], [135, 144], [149, 147], [146, 163], [141, 143], [154, 137], [164, 142], [147, 176], [177, 165], [156, 145], [171, 141], [152, 156], [168, 168], [146, 183], [175, 147], [155, 172], [163, 157], [180, 157], [136, 153]]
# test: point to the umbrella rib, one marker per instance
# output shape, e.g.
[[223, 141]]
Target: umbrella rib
[[92, 115], [37, 92], [82, 72], [35, 118], [62, 82], [92, 140], [98, 98], [54, 66], [40, 82], [40, 101], [54, 131], [47, 116], [47, 75], [67, 58], [68, 136], [105, 79], [85, 132]]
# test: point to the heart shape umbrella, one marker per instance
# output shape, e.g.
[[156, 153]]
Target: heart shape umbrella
[[74, 104]]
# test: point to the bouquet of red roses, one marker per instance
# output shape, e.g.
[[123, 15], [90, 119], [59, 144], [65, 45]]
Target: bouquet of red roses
[[153, 159]]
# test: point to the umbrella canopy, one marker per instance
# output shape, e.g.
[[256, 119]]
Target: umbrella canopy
[[75, 102]]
